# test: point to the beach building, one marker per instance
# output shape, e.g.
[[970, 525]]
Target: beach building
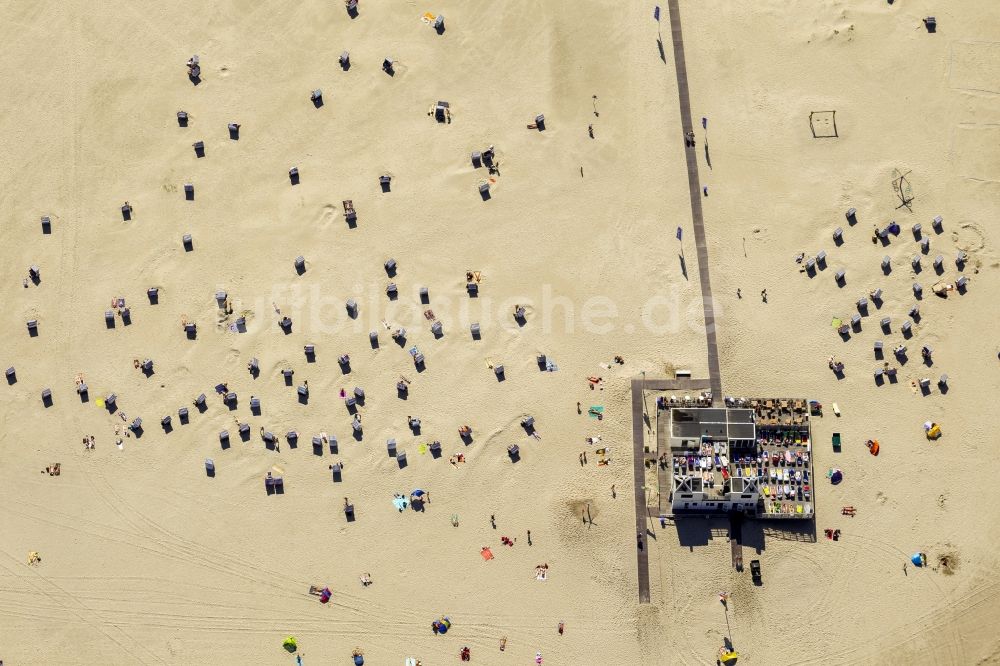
[[751, 457]]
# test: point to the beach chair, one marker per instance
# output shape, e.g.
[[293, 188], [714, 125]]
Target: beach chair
[[938, 263], [943, 380], [442, 111], [962, 282], [303, 391], [345, 61], [182, 118], [931, 24], [514, 451], [856, 321], [189, 191], [839, 276], [254, 404], [136, 425], [437, 329], [862, 304], [886, 263], [46, 397], [915, 262], [876, 295], [310, 351], [477, 159], [810, 265], [199, 148], [244, 429], [916, 231], [937, 223], [390, 267], [838, 235], [418, 360], [392, 291], [352, 307], [109, 318], [925, 245], [187, 242], [317, 97], [885, 322], [425, 297], [439, 23], [401, 459], [499, 372], [473, 289], [843, 329], [46, 224], [182, 415], [851, 214], [540, 122], [32, 327], [821, 258], [387, 66], [484, 190], [11, 375], [435, 449], [165, 422], [917, 289], [234, 131], [476, 330], [126, 211], [390, 445], [349, 512], [914, 312], [209, 467]]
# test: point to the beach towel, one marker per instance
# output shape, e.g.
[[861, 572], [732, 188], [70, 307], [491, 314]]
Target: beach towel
[[399, 503], [595, 411], [487, 554]]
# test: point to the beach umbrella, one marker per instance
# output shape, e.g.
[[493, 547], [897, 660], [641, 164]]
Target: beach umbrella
[[917, 559], [418, 493], [290, 644], [729, 657]]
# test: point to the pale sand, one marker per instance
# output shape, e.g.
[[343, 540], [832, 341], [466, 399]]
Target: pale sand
[[146, 560]]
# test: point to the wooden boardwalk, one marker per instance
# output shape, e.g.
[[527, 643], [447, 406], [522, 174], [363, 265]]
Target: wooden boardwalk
[[638, 462], [694, 187], [639, 386]]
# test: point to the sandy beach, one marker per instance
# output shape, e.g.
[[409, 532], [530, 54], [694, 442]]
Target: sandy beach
[[145, 558]]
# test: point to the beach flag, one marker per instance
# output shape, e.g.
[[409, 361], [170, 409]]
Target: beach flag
[[656, 13], [679, 233]]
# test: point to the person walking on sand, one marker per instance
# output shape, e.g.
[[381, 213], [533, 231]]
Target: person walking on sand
[[763, 295], [613, 493], [738, 293], [493, 520]]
